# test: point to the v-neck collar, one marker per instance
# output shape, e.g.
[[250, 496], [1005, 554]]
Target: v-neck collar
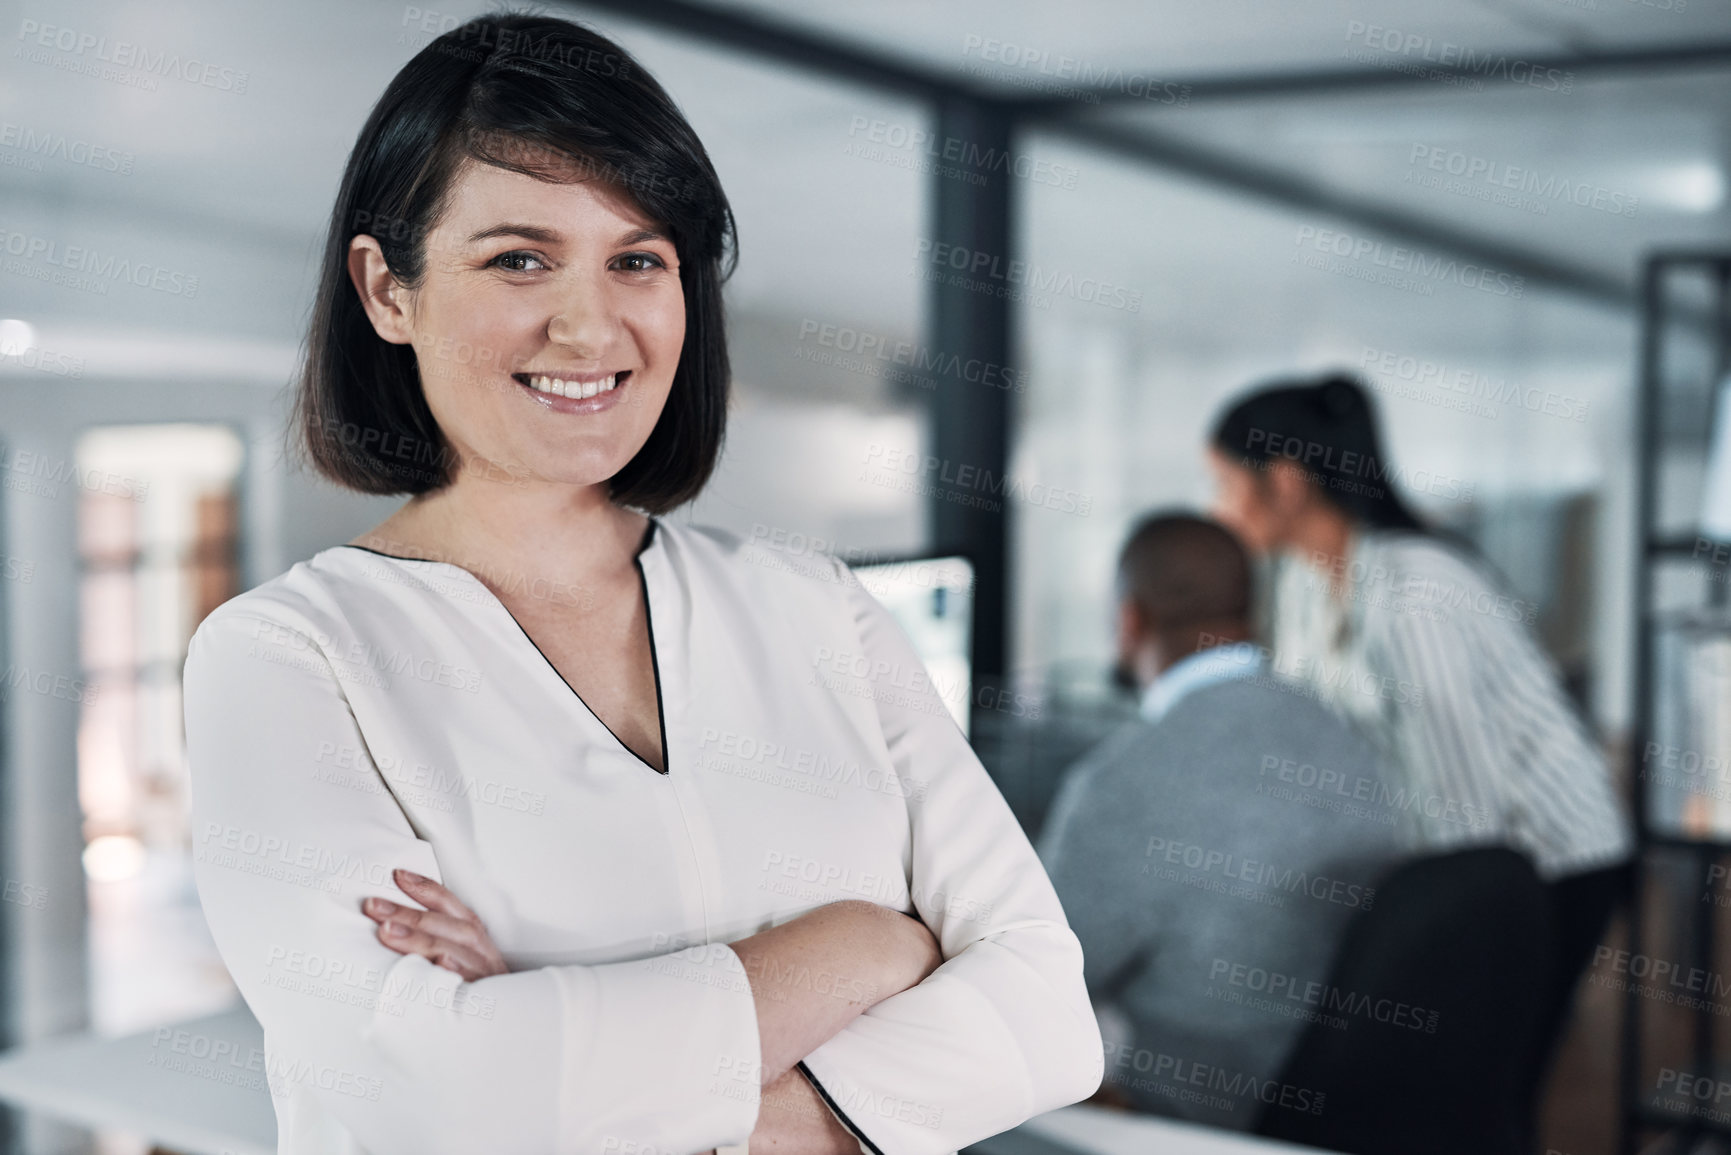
[[651, 541]]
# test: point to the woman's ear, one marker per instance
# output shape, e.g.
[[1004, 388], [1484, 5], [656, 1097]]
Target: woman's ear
[[384, 298]]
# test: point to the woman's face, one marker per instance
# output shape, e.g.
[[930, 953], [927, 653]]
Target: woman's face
[[1244, 503], [533, 289]]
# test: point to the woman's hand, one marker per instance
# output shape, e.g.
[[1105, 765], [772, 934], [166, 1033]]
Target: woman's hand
[[447, 933]]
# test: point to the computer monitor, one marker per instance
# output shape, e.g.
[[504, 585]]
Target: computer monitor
[[933, 600]]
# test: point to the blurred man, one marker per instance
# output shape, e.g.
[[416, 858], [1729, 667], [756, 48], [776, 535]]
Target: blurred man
[[1210, 854]]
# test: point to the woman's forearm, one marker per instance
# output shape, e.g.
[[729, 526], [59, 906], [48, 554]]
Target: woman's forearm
[[792, 1117], [811, 977]]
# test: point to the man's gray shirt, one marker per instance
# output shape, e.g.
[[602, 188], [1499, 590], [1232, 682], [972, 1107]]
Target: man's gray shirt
[[1209, 862]]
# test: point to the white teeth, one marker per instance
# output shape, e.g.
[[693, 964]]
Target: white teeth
[[573, 389]]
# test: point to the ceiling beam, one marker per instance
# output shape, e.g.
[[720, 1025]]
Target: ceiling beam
[[833, 57], [1292, 191], [1398, 71], [813, 51]]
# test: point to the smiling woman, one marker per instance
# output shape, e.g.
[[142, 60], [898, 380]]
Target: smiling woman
[[501, 171], [480, 832], [577, 297]]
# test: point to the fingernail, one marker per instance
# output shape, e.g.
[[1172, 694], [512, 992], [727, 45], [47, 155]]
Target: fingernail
[[381, 906], [395, 929], [409, 875]]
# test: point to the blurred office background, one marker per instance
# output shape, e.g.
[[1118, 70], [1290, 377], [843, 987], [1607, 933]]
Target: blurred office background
[[1197, 196]]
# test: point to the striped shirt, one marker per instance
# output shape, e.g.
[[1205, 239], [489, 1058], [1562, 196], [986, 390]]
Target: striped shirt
[[1439, 668]]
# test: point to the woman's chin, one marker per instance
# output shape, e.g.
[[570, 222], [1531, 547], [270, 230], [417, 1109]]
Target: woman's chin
[[528, 471]]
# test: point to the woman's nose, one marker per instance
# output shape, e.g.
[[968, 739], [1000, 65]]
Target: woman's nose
[[584, 322]]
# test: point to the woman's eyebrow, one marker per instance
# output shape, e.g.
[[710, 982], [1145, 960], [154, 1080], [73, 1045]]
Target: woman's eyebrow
[[639, 236], [527, 232], [548, 236]]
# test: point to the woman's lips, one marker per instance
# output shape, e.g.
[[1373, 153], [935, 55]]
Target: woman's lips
[[574, 395]]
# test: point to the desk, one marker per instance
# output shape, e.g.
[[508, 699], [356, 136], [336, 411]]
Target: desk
[[199, 1087], [1100, 1131]]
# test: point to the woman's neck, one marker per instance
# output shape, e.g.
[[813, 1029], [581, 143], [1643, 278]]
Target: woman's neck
[[1323, 536], [518, 528]]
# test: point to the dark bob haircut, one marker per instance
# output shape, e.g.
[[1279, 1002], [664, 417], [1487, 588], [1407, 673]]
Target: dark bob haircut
[[1328, 427], [555, 101]]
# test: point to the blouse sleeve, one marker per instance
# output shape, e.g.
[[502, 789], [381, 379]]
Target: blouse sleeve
[[407, 1056], [1003, 1029]]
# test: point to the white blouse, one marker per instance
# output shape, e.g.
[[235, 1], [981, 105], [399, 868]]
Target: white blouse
[[363, 712]]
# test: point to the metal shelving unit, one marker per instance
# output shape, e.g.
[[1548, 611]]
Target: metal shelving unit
[[1670, 426]]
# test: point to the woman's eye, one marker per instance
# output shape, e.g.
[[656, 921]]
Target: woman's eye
[[640, 262], [513, 261]]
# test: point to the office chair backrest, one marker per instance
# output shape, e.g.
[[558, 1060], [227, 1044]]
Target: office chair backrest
[[1442, 985]]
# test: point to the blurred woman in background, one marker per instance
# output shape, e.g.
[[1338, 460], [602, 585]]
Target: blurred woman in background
[[1406, 632]]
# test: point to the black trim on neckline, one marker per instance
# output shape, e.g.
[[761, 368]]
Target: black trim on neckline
[[644, 762], [654, 659], [397, 556], [839, 1113], [648, 621], [648, 538]]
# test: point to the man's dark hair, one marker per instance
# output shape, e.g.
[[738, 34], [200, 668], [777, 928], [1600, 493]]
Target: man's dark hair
[[556, 101], [1185, 571]]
